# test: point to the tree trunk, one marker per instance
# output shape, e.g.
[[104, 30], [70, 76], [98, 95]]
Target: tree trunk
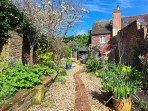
[[31, 55]]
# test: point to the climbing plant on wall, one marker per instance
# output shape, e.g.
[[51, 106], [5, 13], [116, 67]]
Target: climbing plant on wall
[[10, 17]]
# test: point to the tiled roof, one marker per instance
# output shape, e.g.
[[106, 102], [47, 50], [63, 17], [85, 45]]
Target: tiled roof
[[105, 26], [142, 18], [102, 27]]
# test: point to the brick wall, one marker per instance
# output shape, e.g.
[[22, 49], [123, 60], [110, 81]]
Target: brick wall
[[95, 39], [131, 43], [11, 48], [116, 22]]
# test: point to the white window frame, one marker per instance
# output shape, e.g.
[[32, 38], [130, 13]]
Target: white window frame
[[102, 39]]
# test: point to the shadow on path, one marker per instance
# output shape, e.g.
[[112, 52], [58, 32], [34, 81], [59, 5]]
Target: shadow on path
[[103, 98]]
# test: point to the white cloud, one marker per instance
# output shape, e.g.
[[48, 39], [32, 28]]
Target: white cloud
[[80, 21], [79, 32], [96, 8], [125, 3]]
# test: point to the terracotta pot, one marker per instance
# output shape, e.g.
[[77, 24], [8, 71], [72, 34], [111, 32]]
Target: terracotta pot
[[119, 105]]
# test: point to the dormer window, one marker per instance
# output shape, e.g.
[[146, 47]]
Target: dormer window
[[102, 39], [141, 20], [125, 22]]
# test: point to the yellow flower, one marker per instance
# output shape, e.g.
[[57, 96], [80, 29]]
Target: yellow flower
[[97, 73], [105, 58], [124, 69]]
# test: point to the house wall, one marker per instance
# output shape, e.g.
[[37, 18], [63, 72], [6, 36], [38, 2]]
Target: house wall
[[95, 39], [131, 43]]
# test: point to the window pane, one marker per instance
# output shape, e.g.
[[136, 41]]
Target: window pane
[[102, 39]]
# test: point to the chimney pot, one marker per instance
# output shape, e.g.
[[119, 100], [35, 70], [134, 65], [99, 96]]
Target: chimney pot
[[118, 8]]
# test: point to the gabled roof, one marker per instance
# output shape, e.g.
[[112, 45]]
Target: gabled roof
[[101, 27], [134, 18], [105, 26]]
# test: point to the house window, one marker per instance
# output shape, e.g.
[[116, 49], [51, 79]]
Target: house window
[[141, 20], [125, 22], [102, 40]]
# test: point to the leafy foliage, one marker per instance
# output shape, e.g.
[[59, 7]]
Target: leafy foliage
[[68, 62], [10, 17], [93, 65], [60, 79], [22, 76], [119, 79], [73, 45], [62, 73], [80, 40], [18, 76], [67, 52]]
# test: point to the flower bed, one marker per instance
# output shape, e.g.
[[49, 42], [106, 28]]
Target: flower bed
[[22, 100]]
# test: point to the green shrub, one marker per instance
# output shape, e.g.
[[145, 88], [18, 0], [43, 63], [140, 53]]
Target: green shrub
[[93, 65], [22, 76], [60, 79], [68, 62], [17, 77], [67, 52], [44, 57], [6, 89], [121, 80], [62, 73], [45, 69]]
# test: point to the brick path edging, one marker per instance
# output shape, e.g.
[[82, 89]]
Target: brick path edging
[[81, 98]]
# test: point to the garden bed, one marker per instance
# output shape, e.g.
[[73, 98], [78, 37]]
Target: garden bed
[[22, 100], [97, 98], [61, 95]]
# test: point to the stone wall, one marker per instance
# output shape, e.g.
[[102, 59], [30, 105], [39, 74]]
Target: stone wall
[[131, 43], [95, 39], [11, 48]]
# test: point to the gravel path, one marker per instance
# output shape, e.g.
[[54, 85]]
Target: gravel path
[[60, 97], [92, 85]]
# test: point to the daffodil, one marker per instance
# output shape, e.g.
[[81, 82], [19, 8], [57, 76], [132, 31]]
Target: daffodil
[[105, 58], [97, 73], [124, 69]]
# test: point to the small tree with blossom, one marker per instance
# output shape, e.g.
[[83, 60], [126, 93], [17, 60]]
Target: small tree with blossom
[[50, 17]]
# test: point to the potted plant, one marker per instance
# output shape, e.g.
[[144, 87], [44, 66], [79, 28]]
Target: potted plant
[[116, 81], [121, 90], [68, 63]]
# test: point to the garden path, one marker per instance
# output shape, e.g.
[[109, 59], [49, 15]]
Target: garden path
[[80, 92]]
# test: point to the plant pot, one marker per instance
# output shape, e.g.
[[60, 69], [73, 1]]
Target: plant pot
[[119, 105], [68, 66]]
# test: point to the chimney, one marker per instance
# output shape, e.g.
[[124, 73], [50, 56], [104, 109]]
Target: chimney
[[116, 21]]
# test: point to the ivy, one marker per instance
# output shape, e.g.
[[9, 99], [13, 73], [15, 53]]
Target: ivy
[[10, 17]]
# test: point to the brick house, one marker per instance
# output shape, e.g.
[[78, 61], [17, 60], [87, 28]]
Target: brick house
[[122, 38]]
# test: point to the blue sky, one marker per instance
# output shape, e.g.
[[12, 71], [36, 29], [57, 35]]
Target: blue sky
[[102, 9]]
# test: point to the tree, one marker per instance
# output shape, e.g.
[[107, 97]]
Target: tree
[[50, 17], [73, 45], [53, 17], [33, 26], [80, 40]]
